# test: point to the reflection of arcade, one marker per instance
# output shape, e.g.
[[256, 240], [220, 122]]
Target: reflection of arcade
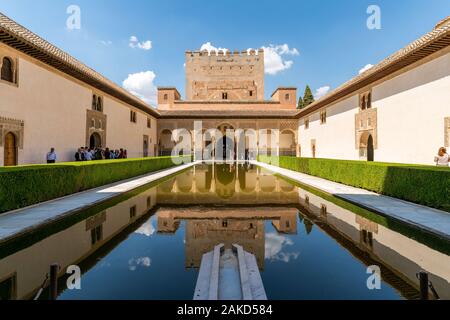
[[78, 244], [399, 256], [205, 228], [231, 184]]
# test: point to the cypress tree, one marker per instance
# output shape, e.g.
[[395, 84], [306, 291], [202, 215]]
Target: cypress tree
[[300, 103], [308, 98]]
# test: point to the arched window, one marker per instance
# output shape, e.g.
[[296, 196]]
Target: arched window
[[363, 103], [99, 104], [94, 102], [369, 101], [7, 70]]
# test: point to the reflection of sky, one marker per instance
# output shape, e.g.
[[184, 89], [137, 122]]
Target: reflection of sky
[[274, 248], [147, 229], [144, 262]]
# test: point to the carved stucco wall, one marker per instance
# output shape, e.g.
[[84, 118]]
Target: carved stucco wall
[[95, 123], [14, 126]]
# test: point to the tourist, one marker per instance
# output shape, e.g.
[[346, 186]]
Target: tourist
[[88, 155], [125, 154], [107, 154], [442, 159], [83, 155], [51, 156], [78, 155], [98, 154], [121, 156]]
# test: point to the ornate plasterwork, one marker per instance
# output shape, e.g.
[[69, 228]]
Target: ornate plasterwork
[[14, 126], [366, 123], [96, 122], [447, 132]]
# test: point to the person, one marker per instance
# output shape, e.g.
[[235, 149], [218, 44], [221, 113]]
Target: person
[[51, 156], [107, 154], [442, 159], [125, 154], [98, 154], [88, 154], [78, 155], [121, 154], [83, 154]]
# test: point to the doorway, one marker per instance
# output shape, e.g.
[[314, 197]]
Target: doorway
[[10, 156], [95, 141], [370, 149]]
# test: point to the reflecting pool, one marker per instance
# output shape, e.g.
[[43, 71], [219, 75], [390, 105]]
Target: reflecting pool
[[148, 244]]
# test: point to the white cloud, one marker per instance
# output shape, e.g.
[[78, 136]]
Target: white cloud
[[209, 47], [367, 67], [147, 229], [106, 42], [273, 58], [322, 91], [141, 85], [274, 246], [144, 45], [144, 262]]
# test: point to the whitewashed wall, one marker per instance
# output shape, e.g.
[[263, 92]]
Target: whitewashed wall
[[53, 106]]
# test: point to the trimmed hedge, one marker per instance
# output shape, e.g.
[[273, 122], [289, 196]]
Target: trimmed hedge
[[426, 185], [27, 185]]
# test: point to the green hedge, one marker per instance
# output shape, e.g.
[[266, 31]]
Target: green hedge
[[27, 185], [425, 185]]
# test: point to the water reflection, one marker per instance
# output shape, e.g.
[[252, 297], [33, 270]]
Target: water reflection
[[206, 227], [149, 245]]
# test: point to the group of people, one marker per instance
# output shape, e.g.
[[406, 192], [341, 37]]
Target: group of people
[[88, 154]]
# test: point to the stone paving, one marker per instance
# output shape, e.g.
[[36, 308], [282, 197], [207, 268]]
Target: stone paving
[[429, 219], [23, 220]]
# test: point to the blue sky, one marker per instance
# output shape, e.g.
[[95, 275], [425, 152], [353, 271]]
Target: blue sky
[[331, 36]]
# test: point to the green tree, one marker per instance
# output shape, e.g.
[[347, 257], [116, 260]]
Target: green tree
[[300, 103], [308, 98]]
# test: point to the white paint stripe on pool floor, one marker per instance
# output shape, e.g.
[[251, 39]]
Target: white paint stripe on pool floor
[[433, 220], [20, 221]]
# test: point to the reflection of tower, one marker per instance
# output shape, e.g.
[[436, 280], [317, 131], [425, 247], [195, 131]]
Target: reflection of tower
[[203, 235], [287, 223]]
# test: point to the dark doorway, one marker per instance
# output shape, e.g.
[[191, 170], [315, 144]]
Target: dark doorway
[[95, 141], [370, 151]]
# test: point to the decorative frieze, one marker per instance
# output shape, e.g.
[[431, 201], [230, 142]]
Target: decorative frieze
[[447, 132], [14, 126], [96, 122], [366, 124]]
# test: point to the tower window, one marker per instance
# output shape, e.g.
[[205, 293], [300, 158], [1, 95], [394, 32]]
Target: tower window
[[250, 93], [287, 96], [323, 117], [225, 96], [166, 97], [7, 72], [133, 116]]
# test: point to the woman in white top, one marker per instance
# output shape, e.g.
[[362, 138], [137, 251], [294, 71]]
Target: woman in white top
[[442, 159]]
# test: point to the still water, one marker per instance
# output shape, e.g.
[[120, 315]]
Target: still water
[[148, 244]]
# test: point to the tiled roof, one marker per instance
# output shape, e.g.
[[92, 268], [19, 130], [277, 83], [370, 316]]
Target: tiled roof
[[22, 39], [437, 39], [229, 114]]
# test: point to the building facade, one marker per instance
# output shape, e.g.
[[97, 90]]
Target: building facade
[[397, 111], [49, 99]]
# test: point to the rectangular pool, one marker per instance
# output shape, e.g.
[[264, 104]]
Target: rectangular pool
[[148, 244]]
